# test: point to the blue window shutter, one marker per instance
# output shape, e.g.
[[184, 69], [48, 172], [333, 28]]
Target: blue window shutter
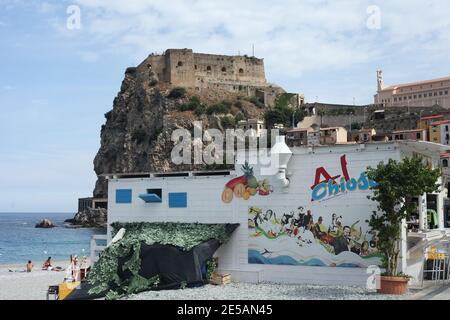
[[178, 200], [123, 195]]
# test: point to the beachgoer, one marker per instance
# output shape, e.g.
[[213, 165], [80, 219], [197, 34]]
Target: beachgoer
[[47, 264], [29, 266]]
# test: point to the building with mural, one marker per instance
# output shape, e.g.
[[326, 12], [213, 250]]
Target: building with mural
[[305, 222]]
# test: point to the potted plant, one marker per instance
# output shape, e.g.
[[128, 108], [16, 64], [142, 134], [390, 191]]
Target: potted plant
[[397, 181]]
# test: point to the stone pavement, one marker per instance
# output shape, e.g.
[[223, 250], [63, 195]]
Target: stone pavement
[[432, 292]]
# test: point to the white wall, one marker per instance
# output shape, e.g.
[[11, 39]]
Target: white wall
[[205, 206]]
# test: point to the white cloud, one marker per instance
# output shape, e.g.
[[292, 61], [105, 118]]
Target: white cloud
[[292, 36], [89, 56]]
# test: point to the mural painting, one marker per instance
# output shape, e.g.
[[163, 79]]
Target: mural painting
[[314, 235], [246, 186], [299, 237]]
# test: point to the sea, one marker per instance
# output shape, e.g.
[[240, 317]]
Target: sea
[[20, 241]]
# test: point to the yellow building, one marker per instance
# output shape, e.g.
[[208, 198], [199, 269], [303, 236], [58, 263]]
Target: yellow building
[[435, 132], [440, 132]]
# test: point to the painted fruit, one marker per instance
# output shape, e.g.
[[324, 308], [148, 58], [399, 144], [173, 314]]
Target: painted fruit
[[252, 191], [252, 182], [246, 195], [239, 190], [227, 195]]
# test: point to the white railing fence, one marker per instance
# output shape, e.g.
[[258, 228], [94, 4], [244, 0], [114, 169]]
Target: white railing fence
[[97, 247]]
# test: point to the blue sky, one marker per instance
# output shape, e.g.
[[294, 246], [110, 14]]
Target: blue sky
[[56, 83]]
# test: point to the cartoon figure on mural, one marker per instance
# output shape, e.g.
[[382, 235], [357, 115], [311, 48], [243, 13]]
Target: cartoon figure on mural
[[246, 186]]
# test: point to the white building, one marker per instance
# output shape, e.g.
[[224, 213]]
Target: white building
[[421, 93], [296, 226]]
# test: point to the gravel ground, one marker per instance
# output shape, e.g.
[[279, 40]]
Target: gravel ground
[[243, 291]]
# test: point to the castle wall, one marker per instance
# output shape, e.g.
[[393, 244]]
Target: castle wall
[[183, 67]]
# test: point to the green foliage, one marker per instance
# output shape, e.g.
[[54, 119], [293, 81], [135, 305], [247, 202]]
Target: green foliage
[[177, 93], [103, 275], [356, 126], [211, 267], [283, 101], [397, 181], [238, 104], [228, 122], [239, 117], [283, 112], [257, 102], [223, 107], [194, 104]]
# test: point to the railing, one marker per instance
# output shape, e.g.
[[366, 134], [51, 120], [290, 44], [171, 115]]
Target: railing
[[96, 248]]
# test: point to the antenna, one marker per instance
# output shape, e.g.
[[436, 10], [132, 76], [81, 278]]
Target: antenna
[[253, 47]]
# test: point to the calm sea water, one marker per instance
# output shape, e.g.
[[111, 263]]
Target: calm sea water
[[20, 241]]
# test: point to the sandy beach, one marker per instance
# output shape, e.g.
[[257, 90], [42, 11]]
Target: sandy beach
[[28, 286]]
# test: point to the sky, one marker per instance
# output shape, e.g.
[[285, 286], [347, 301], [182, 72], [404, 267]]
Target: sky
[[62, 63]]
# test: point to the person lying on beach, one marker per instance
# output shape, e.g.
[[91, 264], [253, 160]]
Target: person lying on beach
[[29, 266]]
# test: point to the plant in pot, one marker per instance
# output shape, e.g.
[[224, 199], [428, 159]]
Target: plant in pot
[[397, 181]]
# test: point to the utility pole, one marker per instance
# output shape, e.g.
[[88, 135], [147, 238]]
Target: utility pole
[[253, 49]]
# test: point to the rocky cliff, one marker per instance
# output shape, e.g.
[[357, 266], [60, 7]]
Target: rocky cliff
[[137, 134]]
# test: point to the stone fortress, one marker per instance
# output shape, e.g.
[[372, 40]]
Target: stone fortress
[[199, 71]]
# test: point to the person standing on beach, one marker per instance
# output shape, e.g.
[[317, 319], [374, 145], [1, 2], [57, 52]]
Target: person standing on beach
[[29, 266]]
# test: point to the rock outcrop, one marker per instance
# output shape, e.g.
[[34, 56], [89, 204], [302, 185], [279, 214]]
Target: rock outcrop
[[45, 224], [137, 133], [90, 218]]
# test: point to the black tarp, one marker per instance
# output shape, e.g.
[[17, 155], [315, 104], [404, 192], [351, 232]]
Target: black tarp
[[174, 266]]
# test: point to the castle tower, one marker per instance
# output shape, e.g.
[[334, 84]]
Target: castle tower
[[380, 80]]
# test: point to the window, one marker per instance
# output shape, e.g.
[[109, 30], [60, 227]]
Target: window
[[178, 200], [435, 94], [418, 136], [180, 64], [440, 93], [445, 163], [208, 68], [123, 196], [415, 96], [420, 96], [241, 71], [224, 69], [395, 99], [446, 92], [446, 128]]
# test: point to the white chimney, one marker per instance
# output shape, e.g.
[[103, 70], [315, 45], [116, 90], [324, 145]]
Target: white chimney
[[283, 154]]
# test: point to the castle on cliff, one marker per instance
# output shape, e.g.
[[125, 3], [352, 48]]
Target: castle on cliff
[[239, 74]]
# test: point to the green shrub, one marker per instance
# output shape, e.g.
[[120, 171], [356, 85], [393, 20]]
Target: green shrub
[[239, 117], [193, 104], [223, 107], [239, 105], [177, 93], [257, 102], [228, 122]]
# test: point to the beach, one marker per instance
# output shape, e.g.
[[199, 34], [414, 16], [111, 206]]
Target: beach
[[28, 286]]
